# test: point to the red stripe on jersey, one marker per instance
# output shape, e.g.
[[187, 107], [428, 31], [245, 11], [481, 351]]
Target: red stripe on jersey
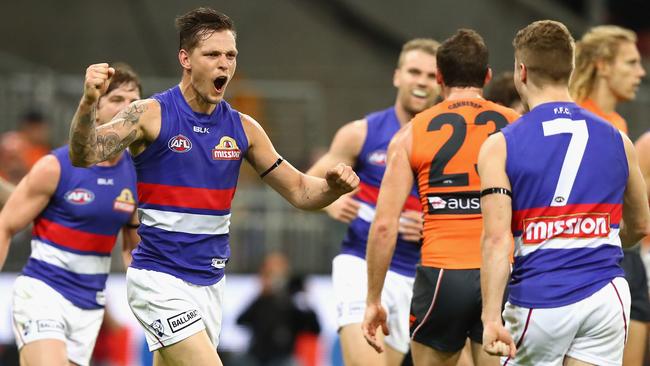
[[369, 194], [614, 210], [187, 197], [72, 238]]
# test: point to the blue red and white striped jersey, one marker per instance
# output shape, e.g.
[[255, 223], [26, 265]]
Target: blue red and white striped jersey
[[370, 167], [186, 182], [568, 172], [73, 237]]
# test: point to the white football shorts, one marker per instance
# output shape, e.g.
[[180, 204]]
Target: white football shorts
[[350, 281]]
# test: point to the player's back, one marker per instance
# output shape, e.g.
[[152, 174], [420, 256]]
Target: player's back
[[446, 141], [568, 172]]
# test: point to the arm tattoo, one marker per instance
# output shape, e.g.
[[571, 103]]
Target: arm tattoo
[[90, 144]]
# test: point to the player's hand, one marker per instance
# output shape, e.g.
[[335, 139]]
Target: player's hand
[[374, 318], [497, 341], [98, 77], [342, 179], [344, 209], [410, 225]]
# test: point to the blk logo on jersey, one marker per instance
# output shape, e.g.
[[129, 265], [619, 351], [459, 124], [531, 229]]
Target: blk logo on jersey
[[198, 129], [227, 149], [79, 196], [183, 320], [124, 202], [377, 157], [458, 203], [581, 225], [179, 144]]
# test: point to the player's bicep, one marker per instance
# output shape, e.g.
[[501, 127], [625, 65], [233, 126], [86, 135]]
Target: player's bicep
[[31, 195], [496, 206], [635, 200]]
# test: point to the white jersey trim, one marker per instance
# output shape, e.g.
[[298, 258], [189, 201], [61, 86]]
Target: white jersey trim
[[367, 213], [566, 243], [185, 222], [77, 263]]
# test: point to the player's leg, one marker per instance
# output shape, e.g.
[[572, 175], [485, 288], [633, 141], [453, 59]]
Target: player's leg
[[38, 323], [635, 275], [356, 351], [349, 279], [44, 352], [482, 358], [194, 350], [465, 358], [424, 355], [636, 344]]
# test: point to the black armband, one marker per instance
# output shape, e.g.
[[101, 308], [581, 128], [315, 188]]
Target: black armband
[[132, 226], [496, 190], [275, 165]]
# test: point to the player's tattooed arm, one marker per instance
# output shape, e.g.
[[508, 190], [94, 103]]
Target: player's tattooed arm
[[90, 144]]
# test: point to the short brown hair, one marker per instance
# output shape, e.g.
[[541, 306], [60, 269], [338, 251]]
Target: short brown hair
[[463, 59], [427, 45], [199, 23], [124, 74], [598, 44], [546, 48]]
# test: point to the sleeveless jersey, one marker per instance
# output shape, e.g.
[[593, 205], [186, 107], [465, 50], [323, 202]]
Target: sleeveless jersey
[[370, 167], [186, 182], [446, 141], [73, 237], [568, 172], [614, 118]]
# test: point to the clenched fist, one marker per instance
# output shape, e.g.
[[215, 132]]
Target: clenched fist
[[98, 77], [342, 179]]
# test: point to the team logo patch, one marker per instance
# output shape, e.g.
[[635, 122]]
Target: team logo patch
[[581, 225], [179, 144], [377, 157], [226, 149], [158, 328], [124, 202], [79, 196], [183, 320]]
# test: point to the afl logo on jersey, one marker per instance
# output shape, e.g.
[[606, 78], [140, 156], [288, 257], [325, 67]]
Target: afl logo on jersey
[[377, 157], [79, 196], [227, 149], [180, 144]]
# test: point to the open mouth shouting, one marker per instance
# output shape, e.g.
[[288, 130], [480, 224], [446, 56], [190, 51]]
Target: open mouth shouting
[[220, 83]]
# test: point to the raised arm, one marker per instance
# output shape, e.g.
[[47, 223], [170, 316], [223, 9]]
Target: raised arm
[[91, 144], [496, 209], [345, 148], [301, 190], [382, 239], [636, 214], [27, 201], [5, 191]]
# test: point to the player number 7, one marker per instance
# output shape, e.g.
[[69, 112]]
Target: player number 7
[[573, 157]]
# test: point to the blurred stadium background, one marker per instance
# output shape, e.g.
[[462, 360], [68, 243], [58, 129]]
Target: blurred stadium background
[[305, 67]]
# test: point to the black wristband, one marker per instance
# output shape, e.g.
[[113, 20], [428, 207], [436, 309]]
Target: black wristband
[[496, 190], [275, 165]]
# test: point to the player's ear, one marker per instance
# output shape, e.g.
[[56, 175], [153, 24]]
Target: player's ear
[[488, 76], [523, 73], [396, 78], [439, 78], [184, 59], [602, 67]]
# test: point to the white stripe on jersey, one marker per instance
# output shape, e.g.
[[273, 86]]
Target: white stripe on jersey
[[77, 263], [185, 222], [367, 213], [566, 243]]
